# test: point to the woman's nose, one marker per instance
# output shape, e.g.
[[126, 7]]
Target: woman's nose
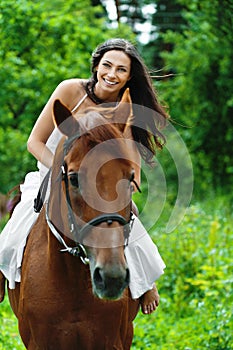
[[112, 72]]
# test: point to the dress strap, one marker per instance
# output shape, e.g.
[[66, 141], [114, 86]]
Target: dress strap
[[79, 103]]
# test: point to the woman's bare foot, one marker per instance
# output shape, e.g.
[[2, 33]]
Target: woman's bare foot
[[150, 300], [2, 286]]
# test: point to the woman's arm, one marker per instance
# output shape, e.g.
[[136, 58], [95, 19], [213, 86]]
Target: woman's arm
[[66, 92]]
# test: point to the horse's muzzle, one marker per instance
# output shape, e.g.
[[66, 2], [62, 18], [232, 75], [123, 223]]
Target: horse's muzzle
[[109, 283]]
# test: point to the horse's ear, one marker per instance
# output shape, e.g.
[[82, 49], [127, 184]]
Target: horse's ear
[[64, 119], [123, 112]]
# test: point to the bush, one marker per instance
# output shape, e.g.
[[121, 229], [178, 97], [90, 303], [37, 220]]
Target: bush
[[195, 310]]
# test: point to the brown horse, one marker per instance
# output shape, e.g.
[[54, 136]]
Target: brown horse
[[62, 302]]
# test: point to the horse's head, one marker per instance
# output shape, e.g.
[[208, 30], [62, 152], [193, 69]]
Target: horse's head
[[95, 200]]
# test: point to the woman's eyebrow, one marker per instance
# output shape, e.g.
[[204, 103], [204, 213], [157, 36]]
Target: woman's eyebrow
[[120, 65]]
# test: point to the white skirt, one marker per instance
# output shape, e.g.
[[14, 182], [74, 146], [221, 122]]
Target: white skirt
[[144, 261], [14, 235]]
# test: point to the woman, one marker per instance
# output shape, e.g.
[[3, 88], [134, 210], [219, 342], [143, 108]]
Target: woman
[[116, 65]]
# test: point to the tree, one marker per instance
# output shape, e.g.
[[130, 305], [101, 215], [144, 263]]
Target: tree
[[200, 96], [167, 16]]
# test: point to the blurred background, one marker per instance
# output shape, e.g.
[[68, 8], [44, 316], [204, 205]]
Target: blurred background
[[187, 46]]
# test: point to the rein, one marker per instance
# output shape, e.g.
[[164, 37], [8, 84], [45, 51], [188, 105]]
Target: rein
[[79, 250]]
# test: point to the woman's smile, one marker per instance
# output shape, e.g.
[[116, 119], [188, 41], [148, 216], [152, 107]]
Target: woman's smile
[[110, 82]]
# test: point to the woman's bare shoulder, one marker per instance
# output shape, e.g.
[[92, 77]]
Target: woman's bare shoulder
[[72, 82], [72, 85], [71, 90]]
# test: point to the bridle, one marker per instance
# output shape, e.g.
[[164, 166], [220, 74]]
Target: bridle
[[79, 250]]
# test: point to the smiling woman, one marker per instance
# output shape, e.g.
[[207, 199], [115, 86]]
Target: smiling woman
[[116, 66]]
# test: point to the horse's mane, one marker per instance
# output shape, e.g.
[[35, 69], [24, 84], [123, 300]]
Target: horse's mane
[[96, 129]]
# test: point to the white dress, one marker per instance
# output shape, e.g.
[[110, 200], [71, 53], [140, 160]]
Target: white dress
[[144, 261]]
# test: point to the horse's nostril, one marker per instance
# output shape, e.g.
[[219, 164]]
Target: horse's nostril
[[98, 277]]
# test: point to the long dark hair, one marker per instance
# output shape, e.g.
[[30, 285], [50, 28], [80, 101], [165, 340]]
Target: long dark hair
[[149, 115]]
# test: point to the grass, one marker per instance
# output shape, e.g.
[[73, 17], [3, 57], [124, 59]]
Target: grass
[[9, 335], [195, 311]]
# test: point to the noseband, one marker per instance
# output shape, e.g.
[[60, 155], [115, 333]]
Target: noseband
[[79, 250]]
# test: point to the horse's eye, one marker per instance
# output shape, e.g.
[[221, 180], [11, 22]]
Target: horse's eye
[[134, 182], [74, 179], [130, 182], [131, 188]]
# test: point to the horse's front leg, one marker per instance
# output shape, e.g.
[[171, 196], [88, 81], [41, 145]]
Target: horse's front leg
[[13, 295]]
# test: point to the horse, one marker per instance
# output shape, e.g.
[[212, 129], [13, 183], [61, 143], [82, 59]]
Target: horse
[[74, 290]]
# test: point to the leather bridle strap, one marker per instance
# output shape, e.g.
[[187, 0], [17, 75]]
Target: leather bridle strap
[[71, 219], [78, 251], [108, 218]]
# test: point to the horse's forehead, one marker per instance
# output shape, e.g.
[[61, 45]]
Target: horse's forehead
[[91, 120], [101, 157], [115, 166]]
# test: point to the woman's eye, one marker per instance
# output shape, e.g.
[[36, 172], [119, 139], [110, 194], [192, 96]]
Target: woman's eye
[[74, 180], [106, 65]]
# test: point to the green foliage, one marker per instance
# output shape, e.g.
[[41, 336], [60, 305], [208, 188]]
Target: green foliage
[[15, 159], [195, 310], [168, 15], [57, 44], [9, 335], [200, 95]]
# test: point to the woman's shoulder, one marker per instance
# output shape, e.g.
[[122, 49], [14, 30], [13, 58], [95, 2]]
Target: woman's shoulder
[[72, 83], [71, 90]]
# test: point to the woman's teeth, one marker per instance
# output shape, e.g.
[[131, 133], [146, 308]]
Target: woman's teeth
[[110, 82]]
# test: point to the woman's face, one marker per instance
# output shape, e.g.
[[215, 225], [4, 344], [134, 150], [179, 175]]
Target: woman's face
[[113, 72]]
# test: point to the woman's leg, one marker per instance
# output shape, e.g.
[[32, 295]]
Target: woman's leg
[[145, 265], [14, 235], [150, 300]]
